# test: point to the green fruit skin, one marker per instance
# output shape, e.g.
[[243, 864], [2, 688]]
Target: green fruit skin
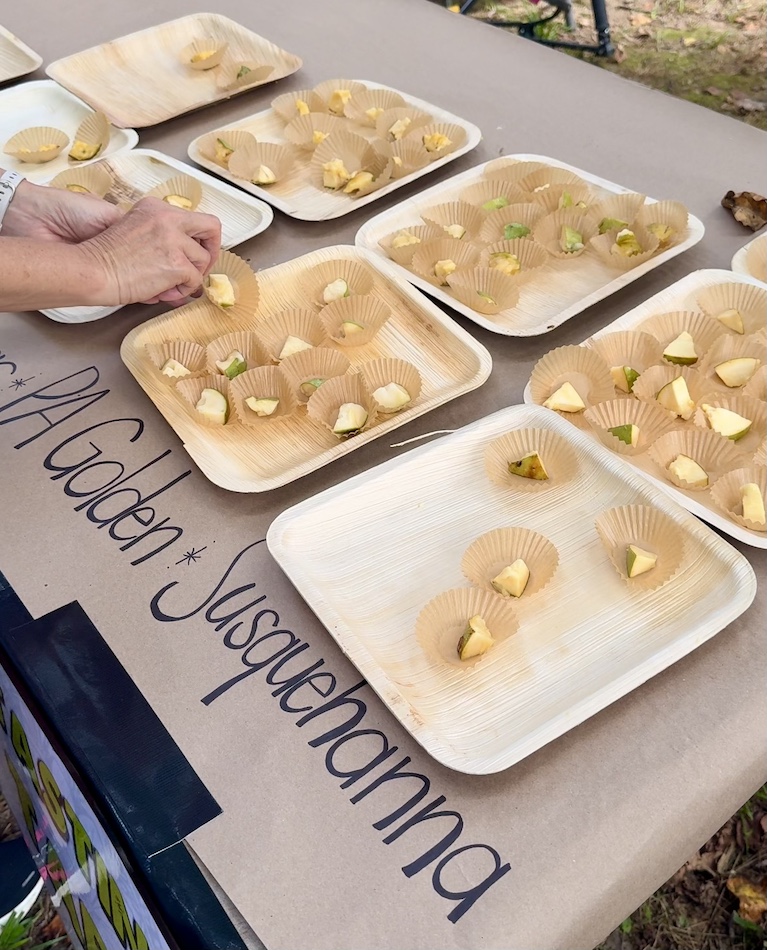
[[512, 231]]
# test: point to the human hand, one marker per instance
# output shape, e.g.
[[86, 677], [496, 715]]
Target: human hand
[[154, 252], [53, 214]]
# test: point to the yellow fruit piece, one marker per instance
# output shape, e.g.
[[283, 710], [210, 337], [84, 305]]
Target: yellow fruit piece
[[436, 142], [639, 561], [338, 101], [398, 129], [78, 189], [220, 291], [675, 396], [443, 269], [753, 503], [302, 108], [732, 320], [203, 56], [318, 136], [512, 580], [475, 640], [334, 174], [737, 372], [82, 151], [404, 239], [178, 201], [529, 466], [565, 399], [358, 182], [687, 470], [681, 350], [505, 262]]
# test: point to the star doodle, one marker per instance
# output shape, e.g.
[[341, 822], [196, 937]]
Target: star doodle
[[191, 556], [19, 383]]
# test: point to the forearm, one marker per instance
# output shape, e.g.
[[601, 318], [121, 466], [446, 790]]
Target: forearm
[[37, 276]]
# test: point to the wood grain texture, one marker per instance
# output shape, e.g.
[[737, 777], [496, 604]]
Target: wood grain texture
[[16, 58]]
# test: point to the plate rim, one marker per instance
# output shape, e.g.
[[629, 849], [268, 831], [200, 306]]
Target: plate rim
[[20, 45]]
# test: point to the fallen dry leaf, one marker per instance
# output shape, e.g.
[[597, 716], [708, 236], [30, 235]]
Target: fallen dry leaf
[[748, 209], [752, 897]]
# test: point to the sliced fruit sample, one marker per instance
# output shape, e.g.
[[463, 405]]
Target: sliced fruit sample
[[243, 71], [529, 466], [318, 136], [732, 320], [753, 503], [293, 344], [233, 365], [626, 244], [349, 328], [505, 262], [174, 369], [681, 350], [662, 232], [515, 229], [334, 174], [456, 231], [213, 405], [302, 108], [565, 399], [373, 112], [398, 129], [392, 397], [335, 290], [78, 189], [203, 55], [639, 561], [687, 470], [338, 101], [351, 418], [675, 396], [223, 151], [627, 433], [358, 182], [512, 580], [567, 201], [264, 176], [495, 203], [570, 240], [178, 201], [262, 405], [308, 386], [486, 297], [82, 151], [220, 290], [404, 239], [624, 378], [737, 372], [436, 142], [476, 639], [443, 269], [611, 224], [727, 422]]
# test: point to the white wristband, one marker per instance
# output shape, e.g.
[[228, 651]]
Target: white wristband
[[9, 182]]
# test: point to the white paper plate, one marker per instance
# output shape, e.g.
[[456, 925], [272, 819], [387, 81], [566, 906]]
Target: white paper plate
[[680, 296], [300, 199], [391, 539], [743, 259], [16, 58], [44, 102], [545, 304], [135, 172]]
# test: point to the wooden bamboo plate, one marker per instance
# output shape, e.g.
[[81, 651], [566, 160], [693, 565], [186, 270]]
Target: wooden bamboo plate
[[16, 58], [246, 459], [297, 196], [680, 296], [392, 538], [557, 292], [136, 171], [44, 103], [139, 80], [751, 259]]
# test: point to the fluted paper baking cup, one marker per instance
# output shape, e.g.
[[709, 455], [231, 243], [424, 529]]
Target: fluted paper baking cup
[[726, 493], [315, 281], [242, 279], [189, 354], [407, 156], [624, 208], [243, 341], [262, 382], [650, 529], [353, 152], [525, 213], [563, 198], [749, 407], [287, 108], [325, 403], [363, 317], [556, 453], [92, 180], [542, 179], [484, 289], [749, 300], [455, 213], [387, 370], [463, 254], [365, 108], [632, 348], [651, 420], [443, 621], [260, 162], [760, 456], [757, 385], [190, 390], [583, 368], [441, 138], [490, 553], [666, 327], [511, 169], [486, 192], [713, 452], [36, 145], [531, 256], [654, 378], [91, 137], [548, 232], [400, 122], [729, 347], [203, 53], [273, 330], [605, 245], [313, 367], [309, 131], [404, 255], [181, 186], [332, 94], [667, 214], [241, 73], [218, 146], [756, 259]]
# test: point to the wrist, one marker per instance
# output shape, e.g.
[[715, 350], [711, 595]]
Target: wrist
[[21, 211], [99, 280]]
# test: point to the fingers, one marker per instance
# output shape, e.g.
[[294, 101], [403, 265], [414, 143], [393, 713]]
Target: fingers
[[206, 230]]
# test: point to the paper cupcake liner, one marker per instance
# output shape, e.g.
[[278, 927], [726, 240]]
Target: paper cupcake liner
[[756, 259], [231, 138], [243, 280], [286, 108], [389, 119], [324, 404], [183, 185], [29, 145], [729, 346], [381, 372], [511, 170], [359, 279], [203, 45], [490, 553], [558, 457], [368, 312], [666, 327], [443, 620], [653, 379], [669, 213], [95, 179], [407, 156], [492, 229], [760, 456], [603, 244], [190, 389], [432, 137], [353, 151], [274, 330], [486, 190], [757, 385], [245, 162], [632, 348], [548, 232], [404, 255], [463, 254], [321, 362], [535, 183], [747, 406], [325, 90], [651, 420], [241, 73], [623, 207], [262, 382], [484, 289], [725, 494], [530, 255], [373, 99], [455, 212], [302, 130], [555, 196], [583, 368], [245, 341], [650, 529], [380, 167], [189, 354], [713, 452], [750, 301], [93, 132]]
